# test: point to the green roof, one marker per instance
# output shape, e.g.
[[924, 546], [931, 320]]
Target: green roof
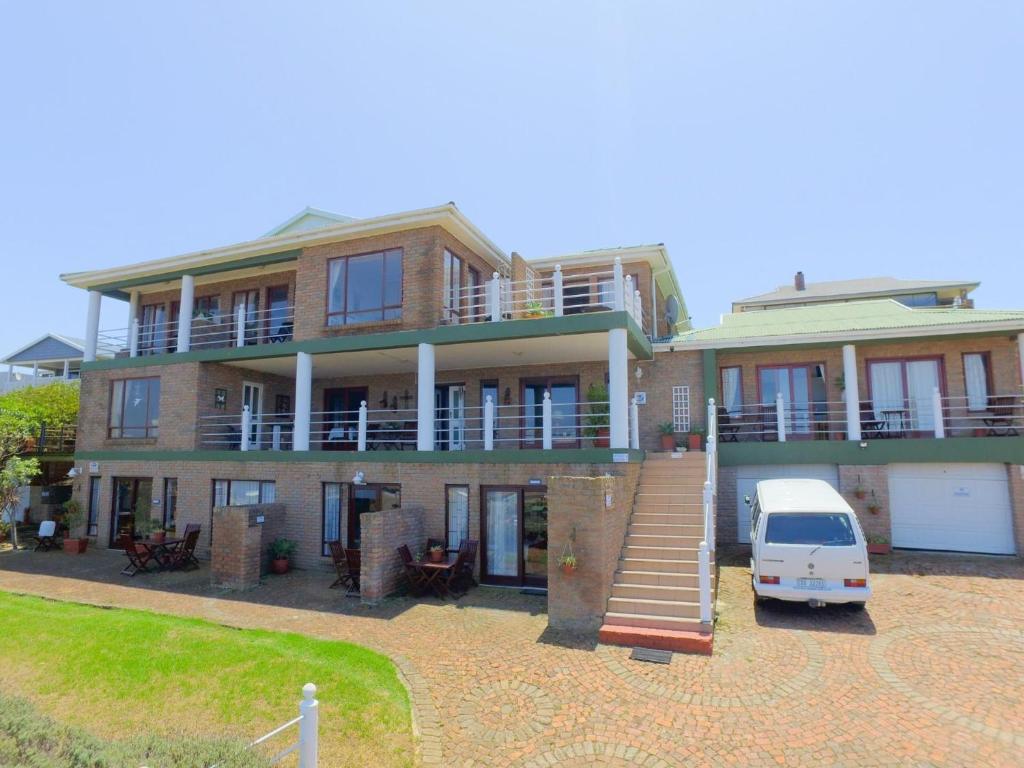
[[854, 318]]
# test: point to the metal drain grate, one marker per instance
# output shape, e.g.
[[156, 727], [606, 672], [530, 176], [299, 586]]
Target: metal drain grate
[[533, 591], [652, 655]]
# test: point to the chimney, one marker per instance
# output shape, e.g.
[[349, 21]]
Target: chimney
[[798, 281]]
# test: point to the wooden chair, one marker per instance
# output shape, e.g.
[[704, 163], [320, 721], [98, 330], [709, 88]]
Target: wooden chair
[[464, 574], [353, 559], [450, 582], [870, 425], [139, 557], [768, 423], [413, 573], [340, 566], [46, 538], [728, 429], [1002, 415], [183, 557]]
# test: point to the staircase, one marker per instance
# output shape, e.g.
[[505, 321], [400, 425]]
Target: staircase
[[655, 600]]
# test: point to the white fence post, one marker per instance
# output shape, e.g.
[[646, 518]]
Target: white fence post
[[558, 295], [361, 437], [638, 308], [618, 300], [133, 339], [940, 422], [489, 424], [546, 421], [494, 297], [709, 514], [246, 427], [780, 417], [704, 575], [627, 295], [275, 440], [240, 326], [634, 425], [309, 727]]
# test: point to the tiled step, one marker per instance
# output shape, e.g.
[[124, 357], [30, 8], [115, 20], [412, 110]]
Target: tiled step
[[632, 552], [684, 594], [688, 565], [673, 542], [695, 517], [647, 607], [694, 528], [653, 621], [664, 506], [698, 641], [659, 578]]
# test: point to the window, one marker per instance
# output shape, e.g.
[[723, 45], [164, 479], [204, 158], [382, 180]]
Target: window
[[170, 502], [207, 308], [249, 301], [235, 493], [564, 414], [279, 315], [918, 300], [134, 408], [156, 335], [94, 506], [902, 392], [681, 409], [330, 520], [452, 287], [818, 529], [977, 380], [365, 289], [804, 396], [476, 308], [732, 390], [456, 524]]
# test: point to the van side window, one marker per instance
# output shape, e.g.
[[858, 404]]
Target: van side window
[[755, 513]]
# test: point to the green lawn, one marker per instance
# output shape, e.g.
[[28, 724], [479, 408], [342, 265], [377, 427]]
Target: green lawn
[[118, 672]]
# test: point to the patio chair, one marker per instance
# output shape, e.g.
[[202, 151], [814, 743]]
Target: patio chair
[[183, 556], [870, 425], [464, 573], [138, 556], [46, 538], [354, 560], [451, 581], [768, 423], [413, 573], [1001, 418], [728, 430], [344, 579]]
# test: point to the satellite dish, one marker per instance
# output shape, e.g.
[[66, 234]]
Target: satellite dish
[[671, 311]]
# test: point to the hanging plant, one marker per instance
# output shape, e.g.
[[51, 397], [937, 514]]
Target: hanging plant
[[873, 506], [567, 560], [859, 491]]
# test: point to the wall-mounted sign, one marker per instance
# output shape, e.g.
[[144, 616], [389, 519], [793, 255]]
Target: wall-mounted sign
[[94, 467], [536, 481], [220, 399], [641, 398], [620, 458]]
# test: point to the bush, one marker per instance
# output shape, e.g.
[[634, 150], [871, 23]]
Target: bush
[[32, 740]]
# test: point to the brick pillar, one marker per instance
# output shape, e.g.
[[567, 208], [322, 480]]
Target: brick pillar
[[241, 536]]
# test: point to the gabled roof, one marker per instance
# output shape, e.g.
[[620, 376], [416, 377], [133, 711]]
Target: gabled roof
[[309, 218], [849, 289], [49, 347], [881, 318]]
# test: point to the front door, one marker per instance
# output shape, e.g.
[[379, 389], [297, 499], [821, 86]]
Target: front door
[[252, 395], [341, 417], [514, 529], [450, 417], [132, 501]]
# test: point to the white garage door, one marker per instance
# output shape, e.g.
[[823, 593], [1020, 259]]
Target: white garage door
[[958, 507], [747, 478]]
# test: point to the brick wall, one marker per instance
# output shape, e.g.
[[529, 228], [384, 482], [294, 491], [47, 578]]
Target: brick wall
[[874, 481], [240, 543], [579, 515], [383, 532], [726, 531], [666, 370]]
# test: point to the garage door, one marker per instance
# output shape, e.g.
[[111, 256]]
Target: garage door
[[747, 478], [958, 507]]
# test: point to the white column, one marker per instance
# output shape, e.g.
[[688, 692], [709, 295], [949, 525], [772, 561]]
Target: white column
[[634, 425], [557, 288], [618, 297], [627, 295], [780, 417], [618, 389], [92, 326], [493, 300], [133, 338], [638, 309], [940, 420], [852, 393], [67, 369], [133, 307], [303, 400], [425, 398], [188, 292], [361, 431], [489, 424], [309, 727], [246, 427], [704, 582], [240, 325], [545, 422]]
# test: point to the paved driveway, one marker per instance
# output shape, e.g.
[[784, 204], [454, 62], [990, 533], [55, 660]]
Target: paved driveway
[[931, 674]]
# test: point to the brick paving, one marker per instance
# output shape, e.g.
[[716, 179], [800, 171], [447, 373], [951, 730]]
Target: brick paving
[[931, 674]]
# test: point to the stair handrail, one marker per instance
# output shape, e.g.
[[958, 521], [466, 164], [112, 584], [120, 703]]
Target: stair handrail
[[707, 544]]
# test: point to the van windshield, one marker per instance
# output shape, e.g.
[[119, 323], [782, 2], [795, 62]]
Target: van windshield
[[822, 529]]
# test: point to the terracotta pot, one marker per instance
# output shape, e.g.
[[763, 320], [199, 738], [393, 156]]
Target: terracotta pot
[[874, 509], [668, 442], [75, 546], [568, 569], [860, 494], [602, 438], [980, 432], [436, 556], [159, 537], [279, 565], [693, 442], [879, 549]]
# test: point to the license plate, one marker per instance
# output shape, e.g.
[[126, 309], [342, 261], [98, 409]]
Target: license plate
[[810, 583]]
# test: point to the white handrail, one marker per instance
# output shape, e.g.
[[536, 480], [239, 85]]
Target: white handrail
[[707, 544], [308, 722]]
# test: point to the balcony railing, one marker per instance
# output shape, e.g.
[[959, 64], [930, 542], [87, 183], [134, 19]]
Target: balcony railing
[[55, 440], [545, 425], [880, 419]]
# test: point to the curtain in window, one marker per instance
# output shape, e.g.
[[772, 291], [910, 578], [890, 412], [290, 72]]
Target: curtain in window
[[731, 396], [976, 376], [502, 533], [268, 492], [332, 515], [922, 379], [886, 387], [458, 516], [244, 492]]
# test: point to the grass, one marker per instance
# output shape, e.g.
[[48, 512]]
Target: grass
[[118, 672]]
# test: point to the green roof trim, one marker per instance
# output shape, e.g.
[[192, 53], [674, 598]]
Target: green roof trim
[[1005, 450], [568, 325]]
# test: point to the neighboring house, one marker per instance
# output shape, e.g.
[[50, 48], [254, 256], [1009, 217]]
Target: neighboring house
[[46, 359], [912, 293], [406, 365]]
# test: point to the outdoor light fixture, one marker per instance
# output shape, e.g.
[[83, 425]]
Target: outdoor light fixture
[[863, 444], [74, 472], [359, 478], [638, 373]]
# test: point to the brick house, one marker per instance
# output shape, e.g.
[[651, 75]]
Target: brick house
[[379, 381]]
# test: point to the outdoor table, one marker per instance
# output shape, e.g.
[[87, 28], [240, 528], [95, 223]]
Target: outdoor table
[[158, 551], [434, 571], [893, 416]]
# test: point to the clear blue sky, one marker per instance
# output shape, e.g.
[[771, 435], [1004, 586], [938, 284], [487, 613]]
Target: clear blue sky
[[754, 139]]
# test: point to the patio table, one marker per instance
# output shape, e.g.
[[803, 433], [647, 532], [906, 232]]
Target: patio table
[[158, 551], [434, 572]]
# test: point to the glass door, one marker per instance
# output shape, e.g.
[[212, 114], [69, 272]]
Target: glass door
[[132, 501], [456, 417], [902, 392], [251, 301], [341, 406], [535, 537], [803, 395], [514, 529], [279, 322], [252, 395], [564, 412]]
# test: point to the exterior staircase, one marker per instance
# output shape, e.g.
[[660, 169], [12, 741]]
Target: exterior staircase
[[655, 599]]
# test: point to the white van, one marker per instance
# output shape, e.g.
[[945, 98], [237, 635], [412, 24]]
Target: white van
[[808, 546]]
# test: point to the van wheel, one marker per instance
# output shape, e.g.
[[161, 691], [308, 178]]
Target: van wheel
[[857, 606]]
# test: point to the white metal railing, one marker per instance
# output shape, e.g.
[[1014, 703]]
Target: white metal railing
[[782, 421], [710, 493], [308, 722]]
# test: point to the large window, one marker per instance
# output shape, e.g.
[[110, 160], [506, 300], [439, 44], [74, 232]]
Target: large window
[[170, 502], [365, 288], [456, 524], [234, 493], [564, 415], [452, 287], [732, 390], [330, 521], [804, 395], [94, 506], [134, 408], [902, 393], [977, 380]]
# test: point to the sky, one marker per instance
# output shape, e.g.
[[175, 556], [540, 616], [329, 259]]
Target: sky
[[844, 139]]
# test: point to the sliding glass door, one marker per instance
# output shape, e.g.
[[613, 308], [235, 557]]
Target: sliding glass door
[[514, 529], [803, 395], [902, 392]]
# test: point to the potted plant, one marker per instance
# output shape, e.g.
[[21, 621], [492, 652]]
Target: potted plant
[[858, 491], [879, 545], [281, 551], [567, 562], [436, 553], [73, 521], [873, 506], [695, 438], [597, 424], [535, 309], [667, 432]]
